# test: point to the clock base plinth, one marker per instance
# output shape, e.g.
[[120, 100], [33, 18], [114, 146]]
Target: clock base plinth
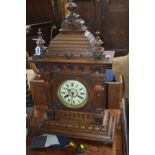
[[87, 128]]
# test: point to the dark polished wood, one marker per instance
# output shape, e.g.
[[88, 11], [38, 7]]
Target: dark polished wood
[[38, 11], [117, 24], [93, 147]]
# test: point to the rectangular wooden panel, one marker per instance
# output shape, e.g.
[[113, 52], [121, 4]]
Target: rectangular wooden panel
[[115, 25], [118, 24], [38, 11], [38, 92], [114, 94]]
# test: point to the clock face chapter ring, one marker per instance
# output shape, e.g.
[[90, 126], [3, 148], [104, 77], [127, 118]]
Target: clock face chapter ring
[[72, 94]]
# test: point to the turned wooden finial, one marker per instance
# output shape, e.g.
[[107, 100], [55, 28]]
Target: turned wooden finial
[[98, 49], [39, 32], [97, 33], [99, 42], [40, 42], [40, 49]]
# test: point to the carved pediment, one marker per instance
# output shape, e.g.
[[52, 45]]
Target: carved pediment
[[74, 38]]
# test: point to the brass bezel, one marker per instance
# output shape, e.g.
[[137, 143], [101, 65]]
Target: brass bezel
[[65, 103]]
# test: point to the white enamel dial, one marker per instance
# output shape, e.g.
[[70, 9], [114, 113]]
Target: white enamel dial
[[73, 94]]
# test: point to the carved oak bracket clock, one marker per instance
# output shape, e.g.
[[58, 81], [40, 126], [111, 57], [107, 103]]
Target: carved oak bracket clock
[[72, 76]]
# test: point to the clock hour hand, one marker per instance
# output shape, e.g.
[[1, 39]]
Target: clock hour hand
[[67, 89], [66, 96]]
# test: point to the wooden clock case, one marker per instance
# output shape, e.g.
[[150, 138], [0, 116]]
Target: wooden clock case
[[72, 56], [57, 114]]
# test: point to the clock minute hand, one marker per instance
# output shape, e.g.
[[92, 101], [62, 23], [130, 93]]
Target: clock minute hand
[[80, 97]]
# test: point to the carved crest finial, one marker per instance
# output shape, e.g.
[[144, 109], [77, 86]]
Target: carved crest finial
[[72, 21], [71, 6]]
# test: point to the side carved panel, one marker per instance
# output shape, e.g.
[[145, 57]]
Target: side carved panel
[[38, 92], [114, 93]]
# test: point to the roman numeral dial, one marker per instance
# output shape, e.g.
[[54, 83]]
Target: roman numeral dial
[[72, 94]]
